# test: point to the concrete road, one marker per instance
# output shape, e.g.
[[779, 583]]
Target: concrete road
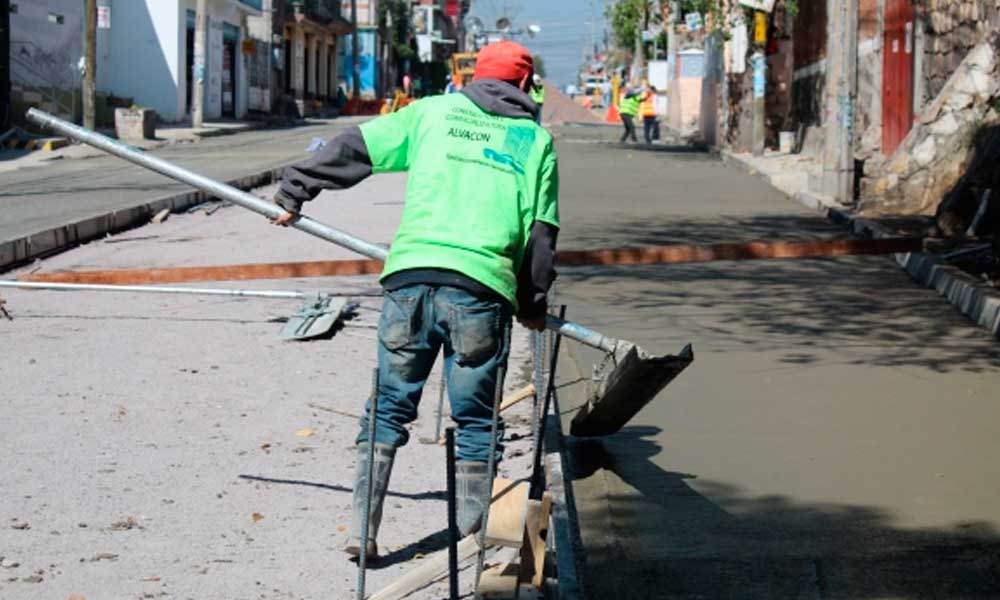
[[51, 195], [175, 447], [837, 434]]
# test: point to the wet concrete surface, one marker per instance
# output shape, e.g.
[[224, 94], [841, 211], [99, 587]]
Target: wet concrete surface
[[836, 436]]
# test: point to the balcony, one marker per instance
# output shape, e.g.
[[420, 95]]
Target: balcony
[[324, 14]]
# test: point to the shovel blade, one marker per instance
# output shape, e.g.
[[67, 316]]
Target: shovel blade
[[632, 381], [315, 319]]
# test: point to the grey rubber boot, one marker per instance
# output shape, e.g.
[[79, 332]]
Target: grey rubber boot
[[471, 482], [384, 457]]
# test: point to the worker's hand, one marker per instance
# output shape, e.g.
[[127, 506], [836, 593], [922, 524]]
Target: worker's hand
[[286, 219], [535, 324]]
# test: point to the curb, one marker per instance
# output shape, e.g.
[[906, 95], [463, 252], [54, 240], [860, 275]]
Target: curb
[[17, 252], [976, 300]]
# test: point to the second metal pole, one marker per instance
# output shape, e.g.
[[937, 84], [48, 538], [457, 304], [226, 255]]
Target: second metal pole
[[452, 516], [363, 555]]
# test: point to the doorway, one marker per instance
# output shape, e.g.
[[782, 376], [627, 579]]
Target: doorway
[[897, 74]]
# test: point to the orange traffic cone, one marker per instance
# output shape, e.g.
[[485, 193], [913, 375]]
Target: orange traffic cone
[[612, 115]]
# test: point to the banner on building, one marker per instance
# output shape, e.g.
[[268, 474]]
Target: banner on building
[[764, 5], [104, 17], [367, 12]]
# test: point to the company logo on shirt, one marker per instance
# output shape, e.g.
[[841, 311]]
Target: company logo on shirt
[[468, 134]]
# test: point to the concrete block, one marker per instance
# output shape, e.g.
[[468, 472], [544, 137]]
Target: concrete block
[[135, 124]]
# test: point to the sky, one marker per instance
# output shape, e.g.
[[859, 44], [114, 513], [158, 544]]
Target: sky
[[566, 29]]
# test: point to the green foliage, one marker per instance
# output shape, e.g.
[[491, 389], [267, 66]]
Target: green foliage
[[395, 15], [625, 16]]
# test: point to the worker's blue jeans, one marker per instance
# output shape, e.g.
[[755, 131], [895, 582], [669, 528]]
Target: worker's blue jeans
[[419, 320]]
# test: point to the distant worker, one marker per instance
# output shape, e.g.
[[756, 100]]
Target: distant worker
[[606, 93], [475, 248], [628, 109], [538, 95], [650, 122]]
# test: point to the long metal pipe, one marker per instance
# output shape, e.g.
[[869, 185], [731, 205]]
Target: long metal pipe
[[216, 188], [148, 289], [271, 211]]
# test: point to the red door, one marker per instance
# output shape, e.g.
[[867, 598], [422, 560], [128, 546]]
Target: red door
[[897, 74]]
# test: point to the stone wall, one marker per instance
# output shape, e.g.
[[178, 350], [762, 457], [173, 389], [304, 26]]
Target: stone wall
[[868, 111], [937, 151], [952, 28]]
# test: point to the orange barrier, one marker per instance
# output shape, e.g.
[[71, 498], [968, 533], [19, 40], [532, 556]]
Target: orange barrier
[[612, 115]]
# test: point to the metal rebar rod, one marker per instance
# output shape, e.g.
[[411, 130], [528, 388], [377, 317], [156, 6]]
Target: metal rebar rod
[[537, 486], [221, 190], [452, 514], [369, 493], [441, 394], [147, 289], [210, 186], [491, 464]]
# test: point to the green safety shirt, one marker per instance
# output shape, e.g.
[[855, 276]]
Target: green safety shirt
[[538, 94], [477, 182], [630, 106]]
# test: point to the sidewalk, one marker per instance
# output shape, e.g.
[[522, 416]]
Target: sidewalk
[[791, 175], [173, 446], [12, 160]]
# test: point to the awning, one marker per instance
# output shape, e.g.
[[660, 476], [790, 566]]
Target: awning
[[336, 25]]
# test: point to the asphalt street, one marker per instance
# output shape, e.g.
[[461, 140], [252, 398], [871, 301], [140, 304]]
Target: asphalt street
[[55, 193]]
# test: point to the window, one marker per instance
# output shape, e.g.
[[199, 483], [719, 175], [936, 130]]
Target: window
[[57, 19]]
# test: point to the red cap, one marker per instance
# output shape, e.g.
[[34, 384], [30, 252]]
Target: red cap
[[505, 60]]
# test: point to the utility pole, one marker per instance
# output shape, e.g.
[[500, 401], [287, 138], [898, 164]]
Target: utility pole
[[199, 67], [840, 96], [355, 52], [89, 64]]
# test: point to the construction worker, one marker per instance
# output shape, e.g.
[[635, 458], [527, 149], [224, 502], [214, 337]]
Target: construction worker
[[474, 248], [538, 95], [628, 109], [647, 110]]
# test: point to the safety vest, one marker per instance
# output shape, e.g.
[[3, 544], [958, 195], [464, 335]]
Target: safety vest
[[648, 108], [477, 182], [538, 94], [630, 106]]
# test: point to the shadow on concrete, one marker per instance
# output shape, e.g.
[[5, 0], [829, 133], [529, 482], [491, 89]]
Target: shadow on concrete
[[862, 305], [761, 547], [430, 495]]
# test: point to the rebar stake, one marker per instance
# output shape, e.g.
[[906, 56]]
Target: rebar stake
[[441, 394], [537, 481], [449, 444], [491, 464], [363, 555]]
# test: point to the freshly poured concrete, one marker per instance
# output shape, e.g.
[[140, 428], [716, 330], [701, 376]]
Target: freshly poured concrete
[[837, 434]]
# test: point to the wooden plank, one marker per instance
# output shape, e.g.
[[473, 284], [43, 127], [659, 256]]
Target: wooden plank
[[499, 582], [508, 513], [429, 570], [650, 255], [526, 392], [535, 535]]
